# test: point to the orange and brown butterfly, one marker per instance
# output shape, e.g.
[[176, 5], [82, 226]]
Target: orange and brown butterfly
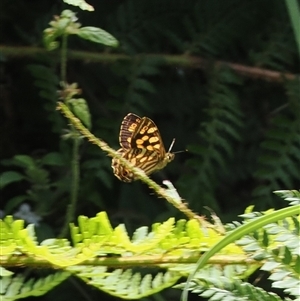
[[141, 144]]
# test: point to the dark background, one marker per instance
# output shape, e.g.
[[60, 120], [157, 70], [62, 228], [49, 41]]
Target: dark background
[[241, 130]]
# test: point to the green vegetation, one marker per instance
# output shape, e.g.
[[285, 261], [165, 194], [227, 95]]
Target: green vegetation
[[222, 77]]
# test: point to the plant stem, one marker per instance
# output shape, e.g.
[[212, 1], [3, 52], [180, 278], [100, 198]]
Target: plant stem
[[75, 174], [75, 171], [63, 59]]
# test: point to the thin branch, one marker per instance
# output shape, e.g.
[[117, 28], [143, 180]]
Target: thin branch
[[139, 173], [183, 61]]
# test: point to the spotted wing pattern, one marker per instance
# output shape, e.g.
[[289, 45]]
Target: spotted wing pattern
[[128, 127], [142, 146]]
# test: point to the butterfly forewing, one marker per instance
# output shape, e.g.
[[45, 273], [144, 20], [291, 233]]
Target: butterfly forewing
[[148, 137], [141, 145]]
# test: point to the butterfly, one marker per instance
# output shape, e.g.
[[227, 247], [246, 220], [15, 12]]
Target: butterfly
[[141, 144]]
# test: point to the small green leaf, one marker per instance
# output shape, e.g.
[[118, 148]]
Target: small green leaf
[[80, 108], [10, 177], [258, 256], [81, 4], [270, 265], [296, 266], [5, 273], [24, 161], [276, 276], [287, 256], [97, 35], [53, 159], [63, 25], [49, 39], [266, 240]]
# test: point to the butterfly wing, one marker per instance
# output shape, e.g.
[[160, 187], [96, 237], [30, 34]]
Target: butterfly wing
[[141, 145], [128, 127], [147, 137]]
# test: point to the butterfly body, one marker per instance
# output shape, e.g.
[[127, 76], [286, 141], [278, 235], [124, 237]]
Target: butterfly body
[[142, 146]]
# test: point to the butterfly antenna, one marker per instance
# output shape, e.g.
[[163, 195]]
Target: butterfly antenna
[[171, 146], [182, 151]]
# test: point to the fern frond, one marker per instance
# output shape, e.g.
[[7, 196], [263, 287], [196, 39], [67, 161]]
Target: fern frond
[[224, 290], [211, 29], [277, 245], [17, 287], [135, 85], [276, 50], [172, 246], [126, 284], [279, 158], [95, 237], [138, 25], [48, 82], [217, 137], [216, 283], [292, 196], [162, 237]]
